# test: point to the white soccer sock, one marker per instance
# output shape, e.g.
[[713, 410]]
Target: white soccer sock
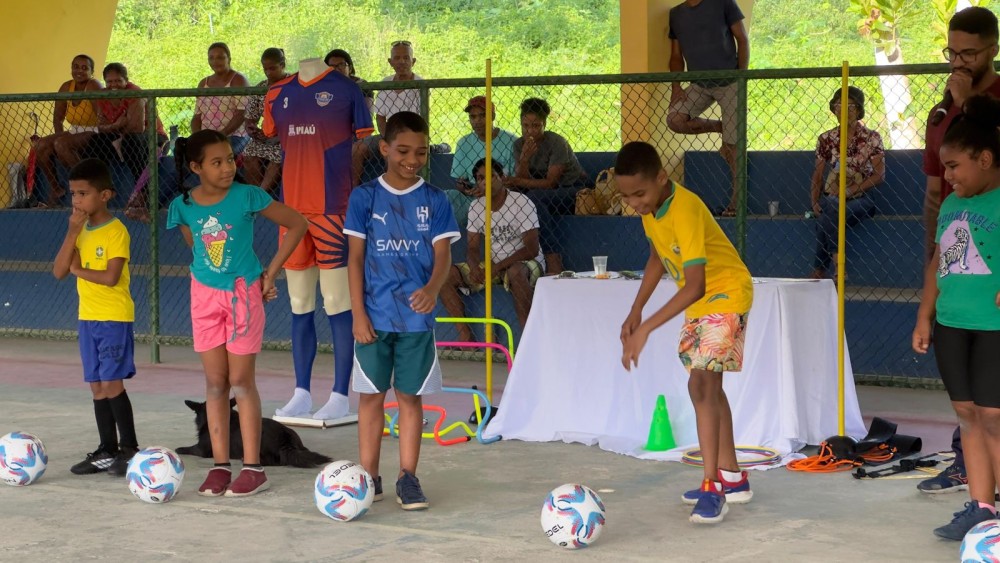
[[299, 405], [337, 407], [731, 477]]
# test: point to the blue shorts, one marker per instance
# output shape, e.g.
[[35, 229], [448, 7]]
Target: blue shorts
[[107, 349]]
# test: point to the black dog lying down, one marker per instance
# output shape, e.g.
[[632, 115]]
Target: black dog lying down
[[279, 444]]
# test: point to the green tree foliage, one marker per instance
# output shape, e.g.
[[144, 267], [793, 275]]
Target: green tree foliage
[[164, 42]]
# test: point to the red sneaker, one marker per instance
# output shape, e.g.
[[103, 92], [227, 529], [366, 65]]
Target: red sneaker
[[216, 482], [249, 482]]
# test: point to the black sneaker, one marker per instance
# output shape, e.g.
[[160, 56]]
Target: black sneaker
[[96, 462], [951, 480], [119, 466], [378, 489], [408, 492], [964, 521]]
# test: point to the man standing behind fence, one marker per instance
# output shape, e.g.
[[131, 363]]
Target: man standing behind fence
[[972, 46], [696, 27]]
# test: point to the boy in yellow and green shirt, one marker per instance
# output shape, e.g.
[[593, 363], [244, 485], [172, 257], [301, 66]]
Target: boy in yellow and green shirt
[[96, 251], [715, 293]]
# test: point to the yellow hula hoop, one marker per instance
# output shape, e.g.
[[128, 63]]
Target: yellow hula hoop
[[768, 456]]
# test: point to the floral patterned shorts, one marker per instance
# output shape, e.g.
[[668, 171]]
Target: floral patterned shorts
[[713, 342]]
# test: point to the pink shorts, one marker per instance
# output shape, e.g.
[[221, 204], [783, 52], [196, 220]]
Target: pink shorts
[[234, 318]]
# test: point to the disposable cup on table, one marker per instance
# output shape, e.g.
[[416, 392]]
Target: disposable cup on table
[[601, 267]]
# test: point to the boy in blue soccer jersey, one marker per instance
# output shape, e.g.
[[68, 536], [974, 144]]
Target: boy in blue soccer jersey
[[96, 251], [401, 230]]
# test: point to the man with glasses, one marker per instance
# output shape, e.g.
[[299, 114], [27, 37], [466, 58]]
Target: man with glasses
[[972, 46]]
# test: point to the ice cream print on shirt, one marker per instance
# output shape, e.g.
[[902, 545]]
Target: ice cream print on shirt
[[214, 236], [959, 252]]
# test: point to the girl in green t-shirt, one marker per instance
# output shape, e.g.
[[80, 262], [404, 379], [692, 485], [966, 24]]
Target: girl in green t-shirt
[[960, 306]]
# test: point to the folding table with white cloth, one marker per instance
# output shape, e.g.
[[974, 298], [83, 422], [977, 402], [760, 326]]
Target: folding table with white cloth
[[568, 384]]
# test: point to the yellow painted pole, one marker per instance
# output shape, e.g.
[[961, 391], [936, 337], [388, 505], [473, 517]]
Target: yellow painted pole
[[841, 247], [488, 224]]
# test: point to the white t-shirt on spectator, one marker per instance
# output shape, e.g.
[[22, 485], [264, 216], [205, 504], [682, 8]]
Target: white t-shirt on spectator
[[388, 102], [510, 222]]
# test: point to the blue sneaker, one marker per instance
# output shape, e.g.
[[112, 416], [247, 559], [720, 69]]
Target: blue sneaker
[[711, 506], [378, 489], [963, 521], [951, 480], [736, 493], [408, 492]]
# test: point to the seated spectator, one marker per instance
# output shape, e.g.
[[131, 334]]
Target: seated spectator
[[865, 170], [517, 257], [121, 132], [547, 171], [387, 103], [262, 160], [470, 149], [222, 113], [82, 118], [341, 61], [543, 159]]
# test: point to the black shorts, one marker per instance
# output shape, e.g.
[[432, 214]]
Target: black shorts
[[968, 361]]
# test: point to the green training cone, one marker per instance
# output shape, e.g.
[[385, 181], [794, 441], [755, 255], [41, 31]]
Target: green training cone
[[661, 435]]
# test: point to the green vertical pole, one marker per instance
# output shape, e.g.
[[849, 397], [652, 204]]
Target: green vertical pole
[[741, 167], [425, 111], [154, 232]]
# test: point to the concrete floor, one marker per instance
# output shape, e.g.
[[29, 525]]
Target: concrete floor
[[485, 500]]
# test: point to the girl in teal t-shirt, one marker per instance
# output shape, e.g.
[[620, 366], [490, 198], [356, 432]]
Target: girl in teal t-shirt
[[228, 288], [960, 306]]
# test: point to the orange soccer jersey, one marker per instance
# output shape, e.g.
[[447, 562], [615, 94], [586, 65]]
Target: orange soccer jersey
[[317, 123]]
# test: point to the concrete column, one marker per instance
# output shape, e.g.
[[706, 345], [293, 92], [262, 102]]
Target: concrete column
[[42, 38]]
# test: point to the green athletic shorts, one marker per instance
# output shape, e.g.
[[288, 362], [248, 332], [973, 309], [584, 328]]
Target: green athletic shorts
[[405, 361]]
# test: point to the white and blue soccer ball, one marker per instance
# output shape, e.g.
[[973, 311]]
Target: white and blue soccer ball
[[22, 459], [344, 491], [573, 516], [982, 543], [155, 475]]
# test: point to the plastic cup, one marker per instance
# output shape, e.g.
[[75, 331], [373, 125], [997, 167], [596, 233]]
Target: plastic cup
[[601, 267]]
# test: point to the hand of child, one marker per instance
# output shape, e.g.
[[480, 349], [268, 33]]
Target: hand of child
[[632, 322], [423, 300], [632, 347], [267, 289], [922, 336], [364, 333], [998, 299], [77, 219]]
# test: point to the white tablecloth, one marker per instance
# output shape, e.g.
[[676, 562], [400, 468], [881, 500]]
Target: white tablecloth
[[568, 384]]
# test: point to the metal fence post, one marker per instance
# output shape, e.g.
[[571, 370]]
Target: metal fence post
[[741, 167], [154, 231], [425, 112]]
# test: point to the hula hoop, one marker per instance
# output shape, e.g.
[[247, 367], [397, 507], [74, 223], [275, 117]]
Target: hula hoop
[[767, 456]]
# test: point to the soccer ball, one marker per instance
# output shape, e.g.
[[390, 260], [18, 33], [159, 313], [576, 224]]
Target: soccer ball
[[573, 516], [22, 459], [155, 475], [344, 491], [982, 543]]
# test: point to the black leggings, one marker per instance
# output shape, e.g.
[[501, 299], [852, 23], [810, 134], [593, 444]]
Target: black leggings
[[969, 362]]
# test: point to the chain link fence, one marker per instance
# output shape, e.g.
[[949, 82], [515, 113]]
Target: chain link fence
[[553, 138]]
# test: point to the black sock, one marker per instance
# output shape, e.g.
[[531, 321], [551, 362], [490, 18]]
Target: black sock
[[254, 466], [122, 409], [226, 465], [106, 425]]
